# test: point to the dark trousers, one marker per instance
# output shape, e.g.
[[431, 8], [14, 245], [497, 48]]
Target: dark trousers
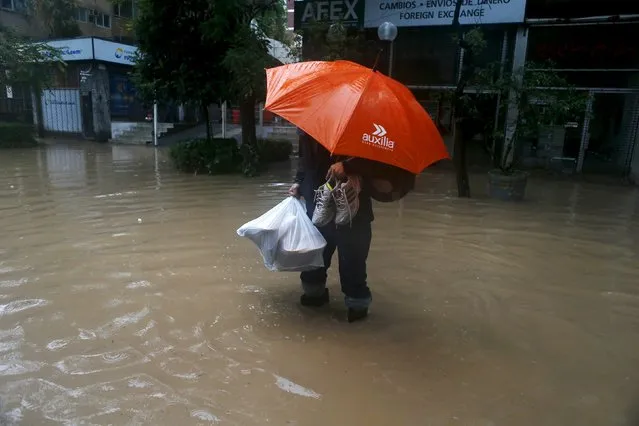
[[352, 244]]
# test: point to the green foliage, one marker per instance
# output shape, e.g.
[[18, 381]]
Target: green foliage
[[58, 16], [247, 56], [330, 42], [16, 135], [542, 95], [222, 156], [246, 61], [251, 164], [206, 51], [178, 59], [273, 22], [213, 157], [23, 62], [274, 150]]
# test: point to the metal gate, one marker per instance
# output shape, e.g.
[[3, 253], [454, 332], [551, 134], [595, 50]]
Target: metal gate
[[62, 110]]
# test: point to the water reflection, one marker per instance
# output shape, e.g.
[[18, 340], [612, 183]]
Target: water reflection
[[126, 298]]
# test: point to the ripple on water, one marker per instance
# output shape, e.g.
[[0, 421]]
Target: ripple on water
[[119, 275], [15, 367], [11, 340], [87, 334], [100, 403], [13, 283], [288, 386], [89, 287], [95, 363], [182, 369], [21, 305], [138, 284], [56, 345], [204, 416], [11, 417], [113, 303], [116, 324], [556, 300]]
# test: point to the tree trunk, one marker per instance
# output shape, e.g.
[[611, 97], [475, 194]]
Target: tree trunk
[[36, 102], [459, 148], [207, 120], [247, 119], [460, 161]]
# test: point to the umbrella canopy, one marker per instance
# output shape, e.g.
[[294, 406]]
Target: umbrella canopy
[[355, 111]]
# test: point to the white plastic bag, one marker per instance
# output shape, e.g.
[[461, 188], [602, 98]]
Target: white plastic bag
[[286, 238]]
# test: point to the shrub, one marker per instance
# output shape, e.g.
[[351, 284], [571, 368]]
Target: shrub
[[16, 135], [215, 156], [273, 150], [221, 156]]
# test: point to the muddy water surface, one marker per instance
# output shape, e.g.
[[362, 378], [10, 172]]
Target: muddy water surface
[[127, 298]]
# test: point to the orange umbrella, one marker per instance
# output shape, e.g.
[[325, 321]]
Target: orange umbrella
[[355, 111]]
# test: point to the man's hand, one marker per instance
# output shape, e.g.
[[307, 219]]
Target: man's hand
[[336, 171], [294, 190]]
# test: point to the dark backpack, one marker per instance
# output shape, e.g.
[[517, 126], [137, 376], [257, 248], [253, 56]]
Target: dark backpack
[[401, 181]]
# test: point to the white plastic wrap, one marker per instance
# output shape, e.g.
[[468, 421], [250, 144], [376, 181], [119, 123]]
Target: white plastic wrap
[[286, 238]]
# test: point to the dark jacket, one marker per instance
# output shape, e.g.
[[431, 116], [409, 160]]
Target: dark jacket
[[315, 160]]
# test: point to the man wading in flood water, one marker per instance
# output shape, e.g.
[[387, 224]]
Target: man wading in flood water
[[338, 200]]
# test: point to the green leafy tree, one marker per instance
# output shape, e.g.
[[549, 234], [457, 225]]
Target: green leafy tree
[[460, 146], [205, 51], [329, 42], [541, 95], [22, 62], [242, 27], [247, 56], [273, 23], [57, 16], [177, 59]]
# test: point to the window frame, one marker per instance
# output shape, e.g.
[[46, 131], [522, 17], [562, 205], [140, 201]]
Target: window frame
[[97, 18], [12, 8], [105, 16], [78, 11], [19, 6], [117, 10]]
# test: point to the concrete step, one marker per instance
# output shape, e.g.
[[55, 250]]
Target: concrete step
[[126, 132], [138, 137]]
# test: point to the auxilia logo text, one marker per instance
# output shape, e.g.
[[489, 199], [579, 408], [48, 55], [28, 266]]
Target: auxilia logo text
[[378, 138]]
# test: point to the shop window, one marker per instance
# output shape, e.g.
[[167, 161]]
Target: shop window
[[100, 19], [14, 5], [123, 9], [579, 8], [588, 47], [424, 56], [82, 14]]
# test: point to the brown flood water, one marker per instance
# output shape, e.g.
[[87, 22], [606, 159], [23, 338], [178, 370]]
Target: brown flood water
[[127, 298]]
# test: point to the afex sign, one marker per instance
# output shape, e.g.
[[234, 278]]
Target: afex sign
[[348, 12]]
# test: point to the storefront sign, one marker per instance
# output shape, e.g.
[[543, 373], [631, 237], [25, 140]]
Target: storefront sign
[[424, 13], [348, 12], [86, 49], [118, 53], [74, 50]]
